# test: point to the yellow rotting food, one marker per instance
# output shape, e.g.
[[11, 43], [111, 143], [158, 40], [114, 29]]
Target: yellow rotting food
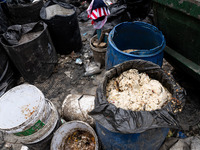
[[79, 140], [137, 92]]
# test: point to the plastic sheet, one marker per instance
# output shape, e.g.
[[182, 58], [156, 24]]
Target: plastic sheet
[[64, 29], [138, 9], [6, 72], [24, 11], [18, 2], [3, 21], [126, 121], [30, 48], [118, 14]]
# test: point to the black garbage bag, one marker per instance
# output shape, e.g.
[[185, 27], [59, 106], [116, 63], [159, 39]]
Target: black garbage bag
[[83, 17], [24, 11], [16, 2], [189, 116], [30, 48], [138, 9], [3, 21], [7, 79], [126, 121], [118, 14], [63, 26]]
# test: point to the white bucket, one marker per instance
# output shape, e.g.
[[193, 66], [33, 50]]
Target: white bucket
[[20, 108], [68, 128], [32, 117], [50, 124]]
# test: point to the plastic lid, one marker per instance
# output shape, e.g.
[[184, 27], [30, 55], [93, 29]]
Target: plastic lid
[[18, 105]]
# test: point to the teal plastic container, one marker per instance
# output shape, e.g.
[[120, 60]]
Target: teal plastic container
[[146, 40]]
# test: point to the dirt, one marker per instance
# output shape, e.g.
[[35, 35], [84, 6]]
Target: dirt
[[27, 112], [79, 140], [29, 37], [56, 9], [129, 50]]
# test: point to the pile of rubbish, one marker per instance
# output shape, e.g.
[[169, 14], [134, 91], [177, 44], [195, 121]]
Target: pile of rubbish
[[135, 101]]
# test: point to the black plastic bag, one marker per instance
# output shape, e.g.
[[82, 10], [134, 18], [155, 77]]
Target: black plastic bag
[[64, 29], [83, 17], [16, 2], [126, 121], [118, 14], [138, 9], [7, 79], [3, 21], [30, 48], [189, 116], [6, 72], [24, 11]]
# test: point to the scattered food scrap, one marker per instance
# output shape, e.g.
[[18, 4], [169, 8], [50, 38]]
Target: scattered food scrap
[[130, 50], [80, 140]]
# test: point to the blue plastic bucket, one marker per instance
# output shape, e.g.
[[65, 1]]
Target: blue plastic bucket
[[148, 140], [143, 37]]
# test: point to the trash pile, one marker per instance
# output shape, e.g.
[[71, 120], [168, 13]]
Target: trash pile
[[77, 84], [136, 91]]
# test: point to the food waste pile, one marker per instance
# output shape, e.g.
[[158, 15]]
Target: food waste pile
[[137, 92]]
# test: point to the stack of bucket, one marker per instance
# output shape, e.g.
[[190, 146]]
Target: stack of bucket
[[62, 35], [33, 119]]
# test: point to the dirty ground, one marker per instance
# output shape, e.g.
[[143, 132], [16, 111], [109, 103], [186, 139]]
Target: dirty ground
[[68, 78]]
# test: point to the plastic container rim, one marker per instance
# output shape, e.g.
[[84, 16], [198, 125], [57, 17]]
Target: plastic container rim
[[90, 129], [163, 44], [21, 127], [42, 32], [24, 5], [63, 16]]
